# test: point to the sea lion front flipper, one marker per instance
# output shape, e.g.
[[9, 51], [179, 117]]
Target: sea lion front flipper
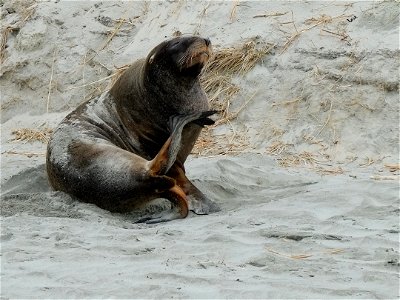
[[167, 155], [177, 123]]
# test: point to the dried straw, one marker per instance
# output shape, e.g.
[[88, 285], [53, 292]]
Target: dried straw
[[288, 158], [304, 256], [273, 14], [216, 80], [234, 10], [297, 256], [28, 154], [3, 42], [332, 171], [393, 167], [314, 22], [28, 12], [51, 80], [117, 28], [380, 177], [304, 158], [324, 19], [32, 135], [225, 64]]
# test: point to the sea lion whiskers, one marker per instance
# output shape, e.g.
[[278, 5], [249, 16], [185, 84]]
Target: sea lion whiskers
[[182, 62], [198, 53], [200, 57]]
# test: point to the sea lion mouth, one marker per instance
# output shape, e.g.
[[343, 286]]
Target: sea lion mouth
[[197, 55], [183, 55]]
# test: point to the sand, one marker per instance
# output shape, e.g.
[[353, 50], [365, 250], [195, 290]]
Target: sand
[[304, 163]]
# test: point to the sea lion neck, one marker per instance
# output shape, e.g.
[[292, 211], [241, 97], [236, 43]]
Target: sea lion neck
[[173, 93]]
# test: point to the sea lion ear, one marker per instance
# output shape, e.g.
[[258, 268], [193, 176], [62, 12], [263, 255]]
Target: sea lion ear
[[151, 58], [154, 52]]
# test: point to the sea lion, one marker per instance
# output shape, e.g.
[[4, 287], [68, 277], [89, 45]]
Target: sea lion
[[129, 145]]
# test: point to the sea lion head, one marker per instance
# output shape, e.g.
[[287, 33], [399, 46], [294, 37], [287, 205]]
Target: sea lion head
[[184, 56]]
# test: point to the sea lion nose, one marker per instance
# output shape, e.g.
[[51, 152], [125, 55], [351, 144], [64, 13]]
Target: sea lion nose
[[207, 41]]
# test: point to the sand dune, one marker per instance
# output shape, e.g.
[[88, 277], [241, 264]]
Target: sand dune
[[304, 161]]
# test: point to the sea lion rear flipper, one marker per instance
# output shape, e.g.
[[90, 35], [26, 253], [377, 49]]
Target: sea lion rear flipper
[[179, 210], [159, 163], [199, 203]]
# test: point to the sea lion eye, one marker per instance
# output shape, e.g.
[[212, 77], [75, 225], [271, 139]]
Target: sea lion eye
[[174, 45]]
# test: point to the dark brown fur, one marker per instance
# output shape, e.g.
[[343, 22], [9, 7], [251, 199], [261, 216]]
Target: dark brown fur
[[115, 150]]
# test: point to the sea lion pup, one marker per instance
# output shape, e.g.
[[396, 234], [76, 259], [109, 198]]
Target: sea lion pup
[[129, 145]]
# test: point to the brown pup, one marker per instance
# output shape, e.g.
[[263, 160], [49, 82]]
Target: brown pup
[[129, 145]]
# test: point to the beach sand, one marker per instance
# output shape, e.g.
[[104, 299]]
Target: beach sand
[[304, 161]]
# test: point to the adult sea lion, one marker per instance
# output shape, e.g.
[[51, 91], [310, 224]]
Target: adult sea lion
[[129, 145]]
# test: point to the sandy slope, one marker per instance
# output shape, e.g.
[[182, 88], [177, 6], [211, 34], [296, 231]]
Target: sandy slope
[[305, 212], [280, 234]]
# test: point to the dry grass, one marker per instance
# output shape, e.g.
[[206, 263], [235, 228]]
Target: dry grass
[[97, 87], [225, 64], [32, 135], [312, 140], [118, 28], [3, 41], [227, 117], [112, 34], [292, 159], [277, 148], [306, 159], [234, 10], [209, 145], [288, 102], [380, 177], [325, 19], [340, 34], [201, 18], [51, 80], [236, 60], [327, 119], [368, 161], [216, 80], [27, 154], [205, 143], [272, 14], [24, 17], [329, 171], [296, 256], [304, 256], [287, 157], [276, 131], [393, 167], [312, 22], [118, 72]]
